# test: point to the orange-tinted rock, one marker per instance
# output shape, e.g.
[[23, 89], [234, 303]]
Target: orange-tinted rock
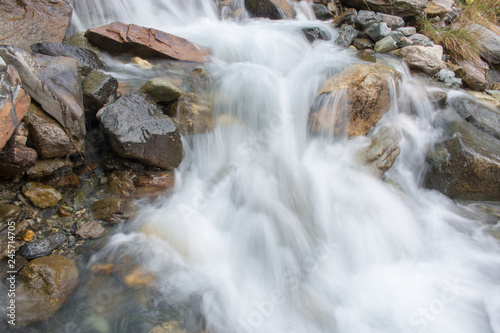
[[153, 184], [144, 42], [16, 157]]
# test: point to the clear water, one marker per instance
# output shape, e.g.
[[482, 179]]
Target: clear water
[[272, 229]]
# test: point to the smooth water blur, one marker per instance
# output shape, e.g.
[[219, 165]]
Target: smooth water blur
[[273, 229]]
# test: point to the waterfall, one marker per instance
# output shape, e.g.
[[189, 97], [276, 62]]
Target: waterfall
[[274, 229]]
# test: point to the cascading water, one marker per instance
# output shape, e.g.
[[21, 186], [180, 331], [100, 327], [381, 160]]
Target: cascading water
[[272, 229]]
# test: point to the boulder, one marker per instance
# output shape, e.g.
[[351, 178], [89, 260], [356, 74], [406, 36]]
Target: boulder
[[138, 129], [143, 42], [43, 247], [465, 164], [402, 8], [41, 195], [490, 43], [392, 21], [44, 285], [54, 82], [475, 75], [420, 58], [99, 89], [273, 9], [16, 157], [377, 31], [321, 12], [382, 152], [407, 31], [386, 44], [161, 90], [365, 18], [368, 97], [363, 43], [192, 114], [315, 33], [87, 59], [48, 137], [346, 36], [419, 39], [14, 103], [23, 23]]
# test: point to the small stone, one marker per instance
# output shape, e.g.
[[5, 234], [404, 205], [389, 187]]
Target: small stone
[[42, 196], [170, 327], [44, 168], [120, 183], [362, 43], [386, 44], [346, 35], [143, 64], [367, 55], [28, 235], [161, 90], [113, 210], [419, 39], [43, 247], [91, 229], [377, 31], [404, 41]]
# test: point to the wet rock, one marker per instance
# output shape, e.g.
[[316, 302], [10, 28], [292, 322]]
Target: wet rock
[[44, 168], [391, 20], [99, 89], [91, 229], [5, 248], [367, 55], [139, 279], [16, 157], [48, 137], [9, 214], [192, 114], [63, 180], [43, 247], [161, 90], [14, 103], [113, 210], [44, 286], [466, 163], [346, 36], [315, 33], [120, 183], [153, 184], [439, 99], [439, 7], [119, 38], [321, 12], [367, 97], [422, 40], [365, 18], [402, 8], [407, 31], [477, 114], [386, 44], [40, 195], [475, 75], [54, 82], [87, 59], [138, 129], [273, 9], [420, 58], [377, 31], [363, 43], [33, 21], [382, 152]]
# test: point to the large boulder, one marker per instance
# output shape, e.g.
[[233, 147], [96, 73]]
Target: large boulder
[[490, 43], [54, 82], [138, 129], [16, 157], [367, 92], [466, 163], [44, 285], [402, 8], [143, 42], [421, 58], [14, 103], [273, 9], [23, 23]]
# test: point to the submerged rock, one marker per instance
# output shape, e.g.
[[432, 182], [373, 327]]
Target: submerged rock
[[120, 183], [192, 114], [44, 168], [273, 9], [113, 210], [91, 229], [40, 195], [382, 152]]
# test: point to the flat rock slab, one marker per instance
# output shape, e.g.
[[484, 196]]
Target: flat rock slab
[[43, 246], [120, 38]]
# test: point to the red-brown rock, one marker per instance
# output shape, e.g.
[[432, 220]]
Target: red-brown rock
[[16, 157], [144, 42]]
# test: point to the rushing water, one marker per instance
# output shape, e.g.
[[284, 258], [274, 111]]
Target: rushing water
[[272, 229]]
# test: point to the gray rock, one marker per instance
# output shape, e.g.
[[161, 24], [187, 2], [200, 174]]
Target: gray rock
[[490, 43], [407, 31], [404, 41], [362, 43], [396, 35], [99, 89], [419, 39], [382, 152], [385, 45], [43, 247], [91, 229], [475, 75], [391, 20], [365, 18], [321, 12], [448, 78], [113, 210], [347, 34], [161, 90], [273, 9], [138, 129], [87, 59], [402, 8], [315, 33], [377, 31], [54, 82]]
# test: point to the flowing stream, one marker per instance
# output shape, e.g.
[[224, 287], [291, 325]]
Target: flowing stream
[[273, 229]]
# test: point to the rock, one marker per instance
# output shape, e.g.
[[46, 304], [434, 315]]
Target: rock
[[465, 164], [113, 210], [402, 8], [78, 40], [419, 39], [139, 279], [43, 247], [91, 229], [161, 90], [14, 103], [477, 114], [368, 98], [420, 58], [404, 41], [365, 18], [407, 31], [382, 152], [138, 129], [44, 168], [48, 137], [363, 43], [396, 36], [273, 9], [377, 31], [120, 183], [391, 20], [448, 78], [346, 36], [44, 286], [33, 21], [192, 114], [486, 99], [40, 195], [16, 157], [152, 184], [315, 33], [143, 42], [87, 59], [494, 93], [367, 55], [386, 44], [439, 7], [321, 12], [53, 82], [99, 89], [475, 75], [170, 327], [439, 99], [9, 214]]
